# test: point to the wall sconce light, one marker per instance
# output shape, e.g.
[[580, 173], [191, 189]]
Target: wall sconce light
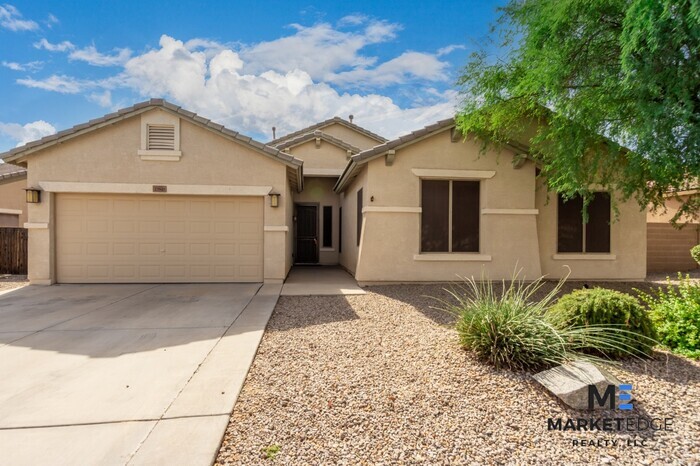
[[33, 195], [274, 199]]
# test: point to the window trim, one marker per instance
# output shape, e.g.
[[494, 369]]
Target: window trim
[[449, 251], [583, 254]]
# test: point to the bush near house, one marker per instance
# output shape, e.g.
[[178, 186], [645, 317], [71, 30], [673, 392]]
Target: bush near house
[[695, 252], [603, 307], [676, 313], [512, 329]]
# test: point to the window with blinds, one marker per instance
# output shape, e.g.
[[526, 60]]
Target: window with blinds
[[573, 234], [450, 216], [160, 137]]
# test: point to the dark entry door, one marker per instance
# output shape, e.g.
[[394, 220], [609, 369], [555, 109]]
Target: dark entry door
[[307, 234]]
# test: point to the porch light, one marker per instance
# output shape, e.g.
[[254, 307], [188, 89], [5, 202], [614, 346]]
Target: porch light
[[274, 199], [33, 195]]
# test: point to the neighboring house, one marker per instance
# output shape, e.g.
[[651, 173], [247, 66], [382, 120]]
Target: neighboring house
[[154, 193], [668, 247], [13, 207]]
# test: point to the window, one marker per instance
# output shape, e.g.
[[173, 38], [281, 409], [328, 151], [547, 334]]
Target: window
[[340, 229], [450, 218], [359, 215], [160, 137], [573, 235], [327, 226]]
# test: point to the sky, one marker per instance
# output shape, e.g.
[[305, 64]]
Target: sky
[[248, 65]]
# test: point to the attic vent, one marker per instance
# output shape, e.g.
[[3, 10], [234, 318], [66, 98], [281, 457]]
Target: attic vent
[[161, 137]]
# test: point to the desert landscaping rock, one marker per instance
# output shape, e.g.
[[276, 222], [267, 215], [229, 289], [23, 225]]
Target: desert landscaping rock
[[381, 379], [569, 382]]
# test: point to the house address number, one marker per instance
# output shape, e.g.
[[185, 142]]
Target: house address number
[[157, 188]]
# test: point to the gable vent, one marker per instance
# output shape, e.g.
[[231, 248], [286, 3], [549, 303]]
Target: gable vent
[[161, 137]]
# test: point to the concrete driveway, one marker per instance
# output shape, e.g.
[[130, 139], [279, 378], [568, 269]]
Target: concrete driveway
[[124, 374]]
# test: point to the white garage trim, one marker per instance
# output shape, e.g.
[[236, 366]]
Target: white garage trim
[[133, 188], [11, 211]]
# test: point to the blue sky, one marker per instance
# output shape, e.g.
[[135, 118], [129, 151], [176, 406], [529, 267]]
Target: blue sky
[[248, 65]]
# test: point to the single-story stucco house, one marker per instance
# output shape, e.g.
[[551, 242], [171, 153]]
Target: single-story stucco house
[[13, 206], [155, 193]]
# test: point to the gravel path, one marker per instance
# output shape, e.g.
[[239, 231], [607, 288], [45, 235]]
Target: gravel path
[[380, 379], [10, 282]]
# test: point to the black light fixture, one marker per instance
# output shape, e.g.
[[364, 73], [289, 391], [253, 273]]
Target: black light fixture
[[274, 199], [33, 195]]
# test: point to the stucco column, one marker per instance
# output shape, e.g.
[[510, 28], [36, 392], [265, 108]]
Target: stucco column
[[41, 240]]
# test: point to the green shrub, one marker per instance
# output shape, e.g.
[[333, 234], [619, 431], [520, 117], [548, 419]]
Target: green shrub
[[676, 313], [511, 328], [609, 308], [695, 252]]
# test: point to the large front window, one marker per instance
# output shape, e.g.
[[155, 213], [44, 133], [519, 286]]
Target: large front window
[[450, 218], [575, 235]]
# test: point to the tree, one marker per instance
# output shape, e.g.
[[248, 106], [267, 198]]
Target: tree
[[614, 89]]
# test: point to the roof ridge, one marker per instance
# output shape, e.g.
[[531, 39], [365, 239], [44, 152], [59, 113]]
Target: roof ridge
[[318, 134], [156, 102], [324, 123]]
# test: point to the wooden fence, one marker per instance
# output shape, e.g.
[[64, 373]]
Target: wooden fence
[[13, 251]]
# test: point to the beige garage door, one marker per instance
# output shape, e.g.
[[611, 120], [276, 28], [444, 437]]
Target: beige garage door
[[106, 238]]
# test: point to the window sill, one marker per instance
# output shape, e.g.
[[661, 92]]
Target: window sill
[[327, 249], [452, 257], [160, 155], [589, 256]]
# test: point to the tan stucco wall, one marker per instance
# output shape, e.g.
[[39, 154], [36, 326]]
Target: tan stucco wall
[[628, 236], [320, 191], [350, 136], [110, 155], [326, 155], [392, 239], [349, 256], [664, 215], [12, 196]]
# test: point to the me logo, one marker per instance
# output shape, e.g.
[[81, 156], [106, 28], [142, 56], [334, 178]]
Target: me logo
[[608, 397]]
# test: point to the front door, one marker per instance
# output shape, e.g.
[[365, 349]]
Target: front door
[[307, 234]]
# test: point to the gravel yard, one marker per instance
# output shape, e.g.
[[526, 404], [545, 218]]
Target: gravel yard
[[380, 379], [10, 282]]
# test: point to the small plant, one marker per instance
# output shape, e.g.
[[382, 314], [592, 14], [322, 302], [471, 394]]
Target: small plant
[[597, 307], [676, 313], [695, 252], [271, 451], [513, 329]]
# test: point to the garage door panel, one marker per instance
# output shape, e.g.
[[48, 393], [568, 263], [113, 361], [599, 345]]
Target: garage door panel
[[151, 238]]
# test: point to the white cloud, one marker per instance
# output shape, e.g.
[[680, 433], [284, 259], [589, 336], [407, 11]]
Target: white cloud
[[290, 82], [449, 49], [352, 20], [219, 88], [11, 18], [319, 50], [23, 134], [58, 47], [29, 66], [405, 67], [90, 55], [57, 83], [103, 99], [51, 20]]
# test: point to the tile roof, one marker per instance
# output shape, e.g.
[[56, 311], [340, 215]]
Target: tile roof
[[142, 107], [7, 170], [325, 123], [317, 134]]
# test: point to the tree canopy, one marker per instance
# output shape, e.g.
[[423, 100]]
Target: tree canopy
[[613, 85]]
